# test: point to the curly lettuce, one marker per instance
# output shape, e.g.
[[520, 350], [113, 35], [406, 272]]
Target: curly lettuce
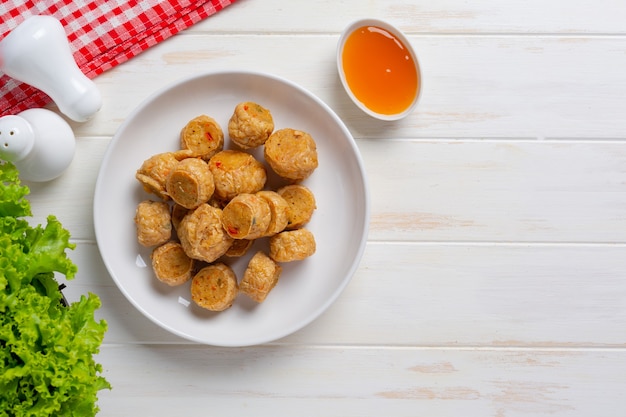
[[47, 348]]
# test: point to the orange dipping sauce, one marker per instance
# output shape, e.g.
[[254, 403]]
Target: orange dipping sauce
[[380, 70]]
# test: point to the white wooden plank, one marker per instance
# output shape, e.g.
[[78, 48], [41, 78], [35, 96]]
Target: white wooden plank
[[474, 87], [434, 190], [519, 191], [165, 380], [446, 16], [492, 283], [436, 295]]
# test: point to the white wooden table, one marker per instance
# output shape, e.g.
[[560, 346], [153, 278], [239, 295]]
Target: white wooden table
[[494, 279]]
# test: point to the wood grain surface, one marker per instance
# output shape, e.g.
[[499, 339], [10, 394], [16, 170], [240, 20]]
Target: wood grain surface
[[493, 281]]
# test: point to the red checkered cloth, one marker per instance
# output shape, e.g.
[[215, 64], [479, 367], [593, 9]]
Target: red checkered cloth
[[102, 34]]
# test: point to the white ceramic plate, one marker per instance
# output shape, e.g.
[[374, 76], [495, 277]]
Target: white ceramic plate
[[305, 288]]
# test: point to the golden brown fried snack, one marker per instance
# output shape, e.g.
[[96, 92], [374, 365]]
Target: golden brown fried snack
[[260, 277], [171, 264], [201, 234], [291, 153], [239, 248], [236, 172], [246, 216], [301, 203], [154, 171], [279, 209], [178, 212], [190, 183], [214, 287], [292, 245], [153, 222], [203, 136], [250, 125]]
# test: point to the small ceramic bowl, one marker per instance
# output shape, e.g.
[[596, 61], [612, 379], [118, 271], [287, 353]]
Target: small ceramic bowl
[[356, 66]]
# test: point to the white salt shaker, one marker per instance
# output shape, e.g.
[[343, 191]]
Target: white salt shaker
[[39, 142], [37, 52]]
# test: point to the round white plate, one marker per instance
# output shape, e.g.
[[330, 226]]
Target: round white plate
[[340, 223]]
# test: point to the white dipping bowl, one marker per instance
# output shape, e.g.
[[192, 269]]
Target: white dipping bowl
[[349, 30]]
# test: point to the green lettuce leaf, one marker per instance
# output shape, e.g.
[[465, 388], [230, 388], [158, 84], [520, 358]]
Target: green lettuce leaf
[[47, 349]]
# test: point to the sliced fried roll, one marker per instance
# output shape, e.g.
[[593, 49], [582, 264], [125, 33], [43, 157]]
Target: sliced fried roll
[[203, 136], [291, 153], [171, 264], [260, 277], [246, 216], [178, 212], [190, 183], [279, 210], [214, 287], [153, 173], [250, 125], [202, 235], [239, 248], [301, 203], [236, 172], [153, 222], [292, 245]]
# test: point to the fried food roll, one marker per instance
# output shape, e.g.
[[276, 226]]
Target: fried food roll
[[239, 248], [154, 171], [250, 125], [260, 277], [214, 287], [190, 183], [292, 245], [217, 202], [279, 209], [291, 153], [201, 234], [178, 212], [171, 264], [301, 203], [203, 136], [153, 222], [236, 172], [246, 216]]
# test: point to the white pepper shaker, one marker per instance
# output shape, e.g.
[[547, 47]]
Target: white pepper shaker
[[39, 142], [38, 53]]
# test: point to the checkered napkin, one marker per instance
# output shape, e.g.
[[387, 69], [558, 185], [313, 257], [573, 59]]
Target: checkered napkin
[[102, 34]]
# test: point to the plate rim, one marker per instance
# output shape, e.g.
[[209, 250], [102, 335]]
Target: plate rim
[[147, 101]]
